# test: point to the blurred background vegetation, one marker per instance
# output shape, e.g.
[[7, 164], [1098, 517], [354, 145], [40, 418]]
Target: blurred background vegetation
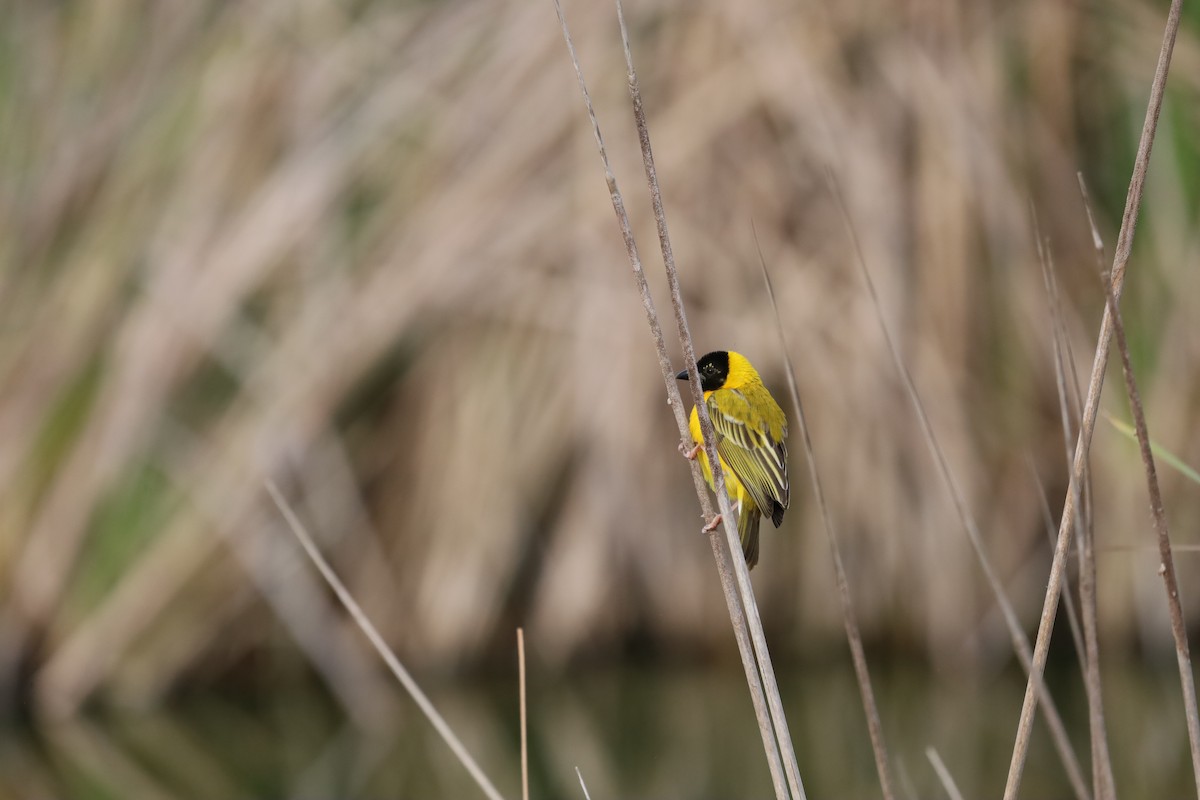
[[365, 249]]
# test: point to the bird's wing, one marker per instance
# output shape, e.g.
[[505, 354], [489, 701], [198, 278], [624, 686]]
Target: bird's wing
[[745, 443]]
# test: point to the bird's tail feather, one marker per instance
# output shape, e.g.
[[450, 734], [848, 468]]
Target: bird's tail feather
[[748, 532]]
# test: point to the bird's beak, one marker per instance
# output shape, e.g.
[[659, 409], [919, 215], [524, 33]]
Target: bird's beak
[[682, 376]]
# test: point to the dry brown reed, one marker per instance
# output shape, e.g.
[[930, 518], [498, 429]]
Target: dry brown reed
[[1166, 568], [1058, 731], [732, 570], [858, 656], [1085, 634], [1068, 600], [1087, 421]]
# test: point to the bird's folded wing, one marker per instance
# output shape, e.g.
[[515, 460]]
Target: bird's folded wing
[[745, 444]]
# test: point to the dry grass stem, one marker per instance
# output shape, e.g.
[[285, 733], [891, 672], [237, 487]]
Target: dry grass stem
[[1020, 643], [1167, 566], [853, 635], [582, 785], [722, 546], [1133, 202], [732, 557], [1103, 784], [381, 647], [1072, 614], [524, 716], [943, 774]]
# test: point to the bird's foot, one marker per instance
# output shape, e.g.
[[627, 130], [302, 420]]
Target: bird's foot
[[689, 453], [712, 524]]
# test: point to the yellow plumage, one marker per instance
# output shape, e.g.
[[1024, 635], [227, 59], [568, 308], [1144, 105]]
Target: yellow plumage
[[751, 429]]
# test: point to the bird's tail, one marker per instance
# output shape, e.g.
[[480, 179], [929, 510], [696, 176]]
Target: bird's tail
[[748, 532]]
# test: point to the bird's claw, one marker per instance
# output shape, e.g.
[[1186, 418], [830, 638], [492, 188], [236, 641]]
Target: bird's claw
[[689, 453], [712, 524]]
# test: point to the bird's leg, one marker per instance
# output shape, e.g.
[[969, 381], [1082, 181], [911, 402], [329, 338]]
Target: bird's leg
[[712, 524], [688, 453]]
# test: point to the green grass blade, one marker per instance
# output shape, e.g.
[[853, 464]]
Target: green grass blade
[[1159, 451]]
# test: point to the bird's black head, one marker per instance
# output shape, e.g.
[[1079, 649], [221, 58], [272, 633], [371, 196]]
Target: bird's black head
[[714, 370]]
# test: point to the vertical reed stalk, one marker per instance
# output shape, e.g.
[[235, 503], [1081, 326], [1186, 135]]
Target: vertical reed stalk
[[740, 570], [722, 546]]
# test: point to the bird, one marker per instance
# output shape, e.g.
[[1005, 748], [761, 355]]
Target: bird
[[751, 431]]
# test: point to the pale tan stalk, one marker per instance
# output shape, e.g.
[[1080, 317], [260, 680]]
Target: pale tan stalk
[[524, 717], [943, 774], [406, 680], [582, 785]]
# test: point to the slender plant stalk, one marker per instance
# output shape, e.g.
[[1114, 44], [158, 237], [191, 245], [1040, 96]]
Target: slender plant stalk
[[720, 543], [740, 570], [385, 652], [1103, 785], [1102, 772], [524, 716], [583, 785], [943, 774], [1133, 202], [1020, 643], [849, 619], [1072, 616], [1167, 566], [1072, 368], [1083, 493]]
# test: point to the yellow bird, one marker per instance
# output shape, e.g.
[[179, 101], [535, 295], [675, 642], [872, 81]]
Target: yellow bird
[[751, 429]]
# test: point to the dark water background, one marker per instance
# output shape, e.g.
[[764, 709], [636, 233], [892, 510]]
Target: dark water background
[[648, 732]]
